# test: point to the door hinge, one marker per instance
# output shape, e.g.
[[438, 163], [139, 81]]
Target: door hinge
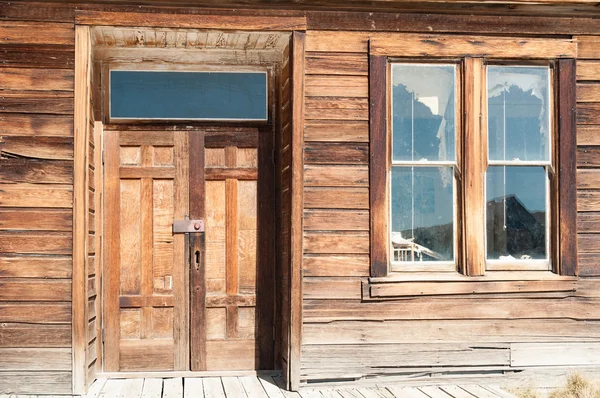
[[102, 332], [103, 157]]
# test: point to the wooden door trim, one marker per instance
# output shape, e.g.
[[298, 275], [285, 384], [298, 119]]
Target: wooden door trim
[[295, 333], [197, 275], [79, 299]]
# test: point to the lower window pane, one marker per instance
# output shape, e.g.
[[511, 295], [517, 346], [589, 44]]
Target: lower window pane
[[516, 207], [422, 207]]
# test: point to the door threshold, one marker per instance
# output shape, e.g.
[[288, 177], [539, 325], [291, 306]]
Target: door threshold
[[186, 373]]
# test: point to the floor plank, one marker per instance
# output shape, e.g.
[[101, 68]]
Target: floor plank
[[112, 388], [456, 392], [152, 388], [500, 392], [253, 387], [132, 388], [434, 392], [407, 392], [95, 388], [173, 388], [193, 388], [270, 387], [479, 392], [213, 388], [233, 387]]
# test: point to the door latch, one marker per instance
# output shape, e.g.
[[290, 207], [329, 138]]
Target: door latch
[[188, 226]]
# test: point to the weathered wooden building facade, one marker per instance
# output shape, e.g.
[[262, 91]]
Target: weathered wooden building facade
[[416, 194]]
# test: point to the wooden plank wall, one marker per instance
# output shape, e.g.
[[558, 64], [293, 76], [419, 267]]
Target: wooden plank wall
[[283, 160], [347, 338], [36, 200]]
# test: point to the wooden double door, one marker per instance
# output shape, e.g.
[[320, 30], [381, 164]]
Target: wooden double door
[[188, 301]]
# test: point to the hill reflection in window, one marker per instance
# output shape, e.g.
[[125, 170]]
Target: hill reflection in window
[[423, 158], [186, 95]]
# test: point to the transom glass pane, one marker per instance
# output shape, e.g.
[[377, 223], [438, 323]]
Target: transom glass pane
[[518, 113], [188, 95], [422, 213], [516, 207], [424, 110]]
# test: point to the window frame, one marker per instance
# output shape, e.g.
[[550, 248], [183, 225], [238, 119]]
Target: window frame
[[457, 164], [471, 259]]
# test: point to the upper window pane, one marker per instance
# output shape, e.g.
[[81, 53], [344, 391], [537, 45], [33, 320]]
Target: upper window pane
[[424, 110], [188, 95], [518, 113]]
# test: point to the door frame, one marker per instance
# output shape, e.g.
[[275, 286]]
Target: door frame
[[84, 90]]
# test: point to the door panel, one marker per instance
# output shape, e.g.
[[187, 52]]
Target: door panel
[[231, 232], [146, 270], [177, 302]]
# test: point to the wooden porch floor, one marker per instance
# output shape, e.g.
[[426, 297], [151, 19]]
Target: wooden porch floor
[[268, 386]]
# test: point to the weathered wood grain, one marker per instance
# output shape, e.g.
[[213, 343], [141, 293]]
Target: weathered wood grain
[[35, 125], [336, 220], [437, 21], [588, 222], [554, 354], [14, 335], [51, 313], [588, 243], [332, 288], [19, 32], [235, 22], [347, 64], [336, 86], [588, 92], [341, 42], [35, 290], [336, 131], [31, 195], [588, 264], [49, 102], [336, 265], [336, 108], [588, 201], [35, 219], [588, 47], [588, 113], [398, 289], [449, 331], [35, 382], [588, 179], [336, 243], [34, 242], [418, 45], [36, 171], [588, 156], [336, 198], [37, 56], [36, 79], [35, 266], [52, 148], [336, 153], [567, 173], [339, 176], [588, 70], [455, 308], [588, 135]]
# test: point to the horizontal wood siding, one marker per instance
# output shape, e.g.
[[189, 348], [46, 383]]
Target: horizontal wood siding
[[36, 191], [347, 334]]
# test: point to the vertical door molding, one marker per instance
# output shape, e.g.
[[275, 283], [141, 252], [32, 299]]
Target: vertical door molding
[[80, 206], [295, 341]]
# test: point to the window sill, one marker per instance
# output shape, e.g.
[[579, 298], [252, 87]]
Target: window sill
[[452, 283]]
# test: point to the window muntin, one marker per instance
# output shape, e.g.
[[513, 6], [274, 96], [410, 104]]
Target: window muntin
[[188, 95], [519, 160], [423, 162]]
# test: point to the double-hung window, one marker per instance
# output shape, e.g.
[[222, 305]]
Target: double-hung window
[[471, 163]]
